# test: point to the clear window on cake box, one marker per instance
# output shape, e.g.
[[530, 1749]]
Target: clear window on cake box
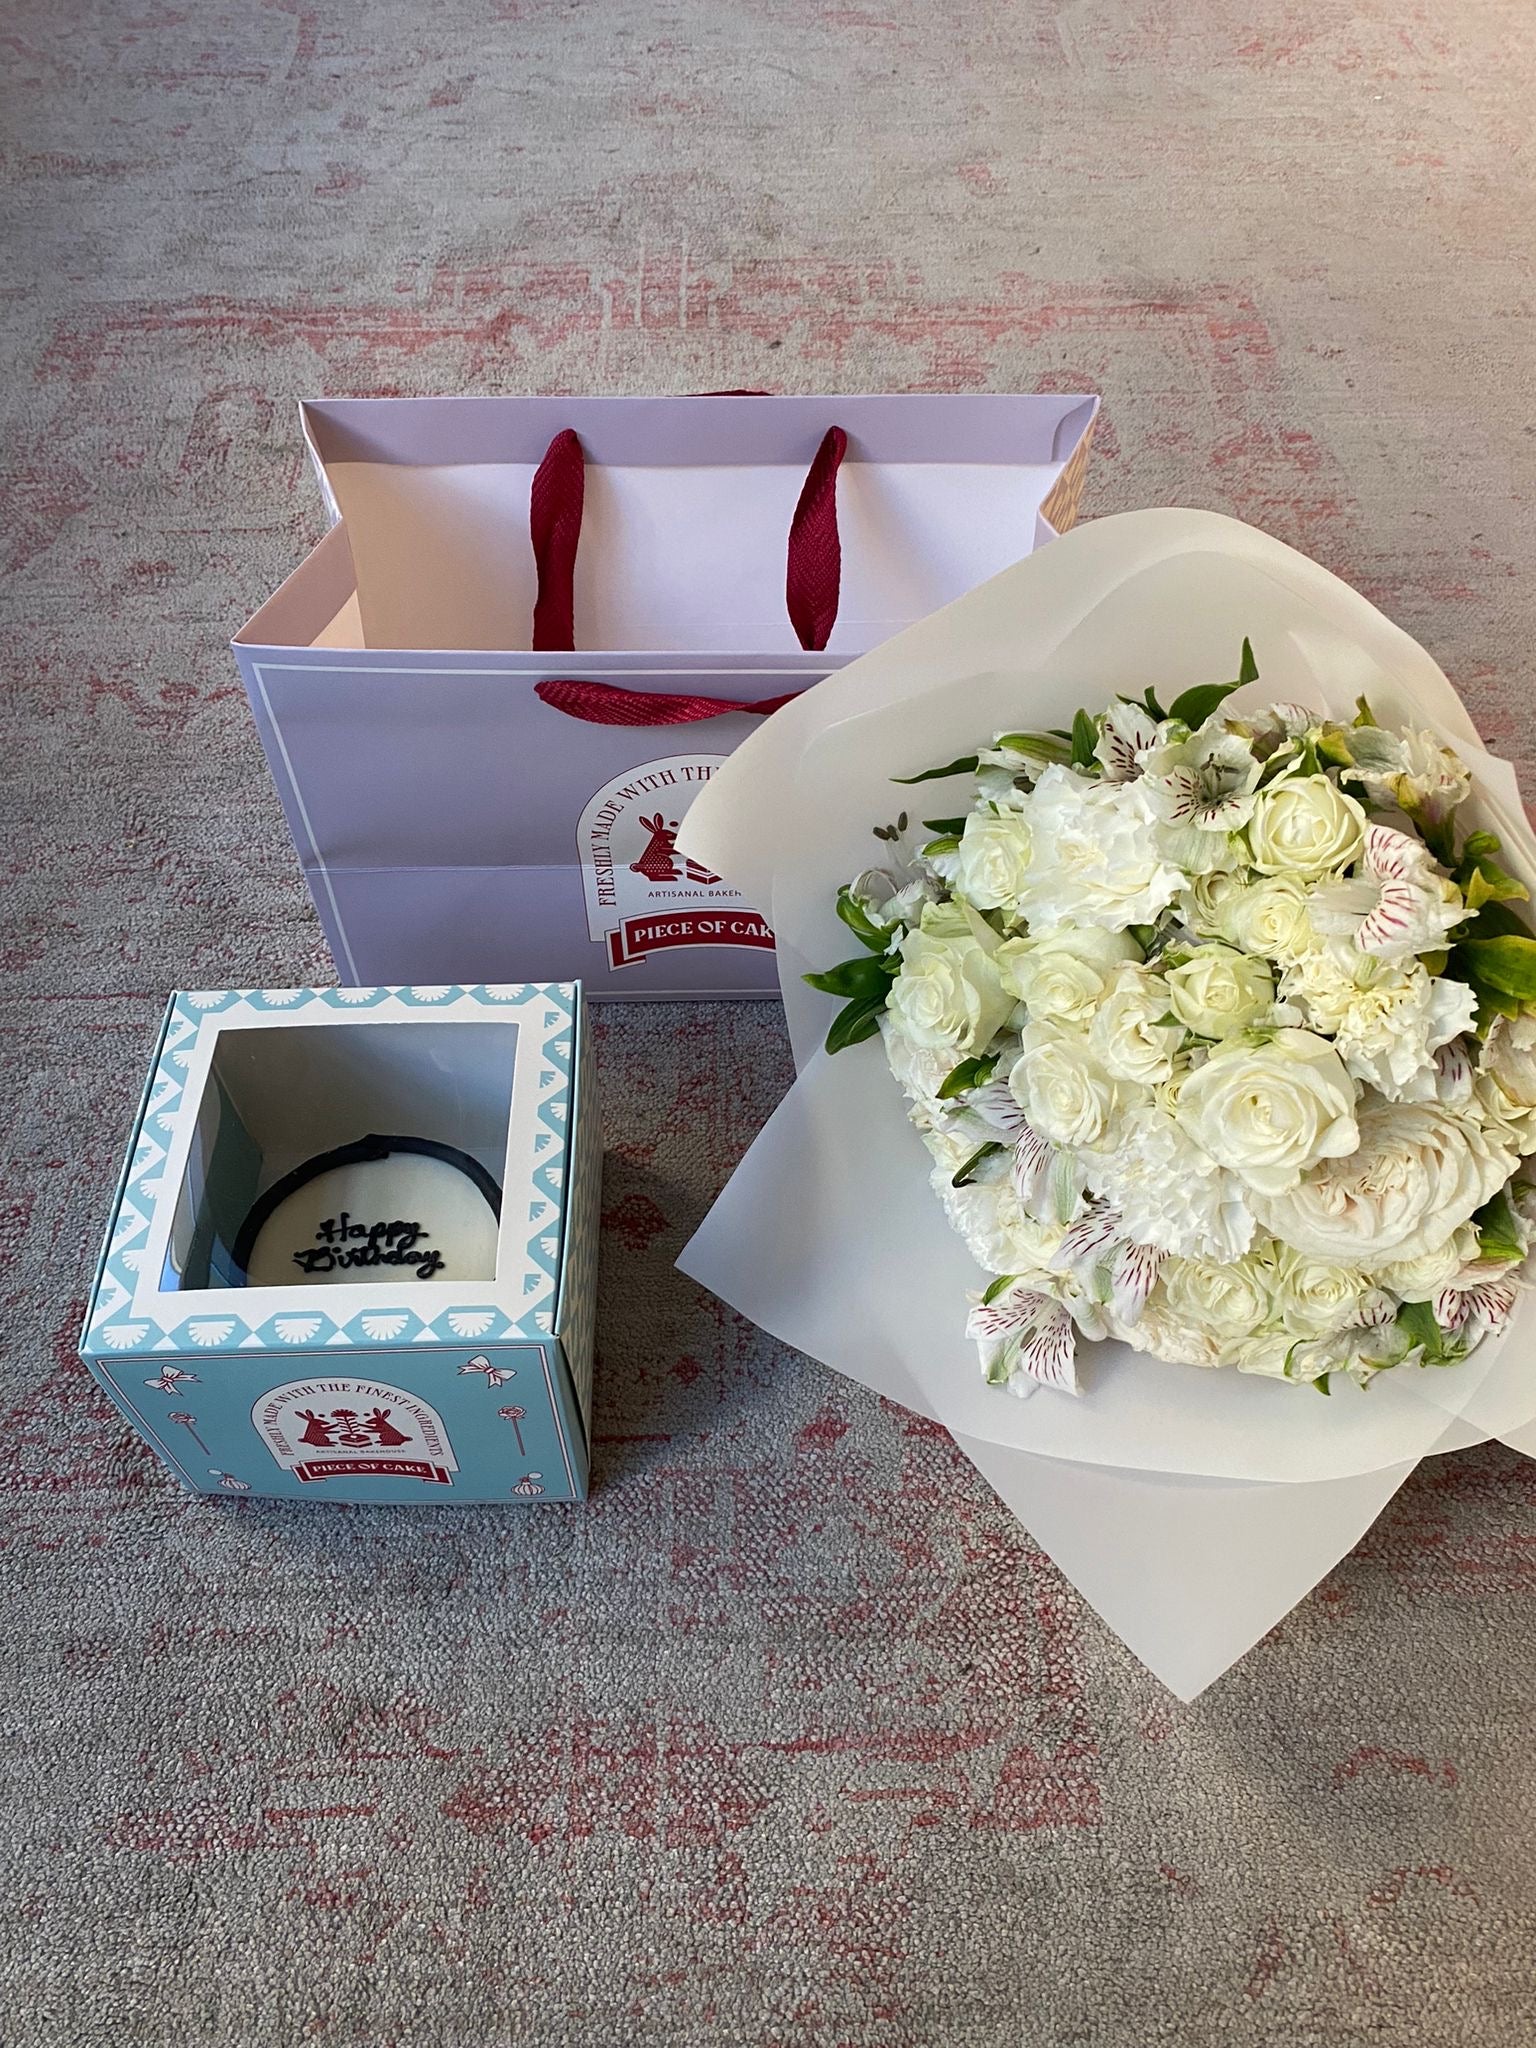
[[348, 1153]]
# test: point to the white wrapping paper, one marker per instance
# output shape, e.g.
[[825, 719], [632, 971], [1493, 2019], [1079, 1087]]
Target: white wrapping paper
[[1191, 1508]]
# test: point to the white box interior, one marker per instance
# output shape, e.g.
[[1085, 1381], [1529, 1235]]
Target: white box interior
[[276, 1096]]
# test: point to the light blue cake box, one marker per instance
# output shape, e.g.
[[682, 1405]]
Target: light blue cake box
[[426, 1392]]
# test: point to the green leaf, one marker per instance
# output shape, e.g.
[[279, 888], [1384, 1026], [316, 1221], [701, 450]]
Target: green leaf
[[1247, 667], [858, 920], [1499, 1231], [969, 1074], [1497, 920], [982, 1152], [999, 1286], [1036, 746], [1480, 846], [1154, 709], [1085, 737], [1507, 964], [1490, 884], [1364, 715], [966, 765], [1321, 1383], [948, 828], [1334, 748], [935, 847], [855, 1022], [1195, 706], [1416, 1319], [1145, 935], [861, 977]]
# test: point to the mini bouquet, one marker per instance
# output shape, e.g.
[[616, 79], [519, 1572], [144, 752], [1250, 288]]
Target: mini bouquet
[[1221, 1035]]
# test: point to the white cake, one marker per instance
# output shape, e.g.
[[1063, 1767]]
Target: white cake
[[407, 1215]]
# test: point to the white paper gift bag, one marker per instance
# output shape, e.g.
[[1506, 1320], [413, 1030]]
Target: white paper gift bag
[[540, 625]]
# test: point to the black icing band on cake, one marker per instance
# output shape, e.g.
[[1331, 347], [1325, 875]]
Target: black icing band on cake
[[363, 1152]]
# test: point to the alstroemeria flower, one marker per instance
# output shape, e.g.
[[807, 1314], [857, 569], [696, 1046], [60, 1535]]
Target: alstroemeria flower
[[1399, 902], [1207, 780]]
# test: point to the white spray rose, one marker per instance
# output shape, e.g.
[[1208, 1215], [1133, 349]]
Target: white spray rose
[[1226, 1299], [1270, 918], [1421, 1278], [1314, 1296], [1104, 866], [947, 995], [1218, 991], [1305, 826], [1268, 1111], [1063, 975], [993, 861], [1129, 1035], [1419, 1172], [1507, 1077], [1065, 1093]]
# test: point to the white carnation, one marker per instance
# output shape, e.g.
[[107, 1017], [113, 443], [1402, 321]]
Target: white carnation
[[1170, 1193], [1104, 866], [1388, 1019]]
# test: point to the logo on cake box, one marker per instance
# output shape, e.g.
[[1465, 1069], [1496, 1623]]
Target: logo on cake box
[[643, 896], [338, 1428]]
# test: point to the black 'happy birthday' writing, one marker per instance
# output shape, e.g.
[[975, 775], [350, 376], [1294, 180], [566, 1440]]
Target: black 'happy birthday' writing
[[343, 1243]]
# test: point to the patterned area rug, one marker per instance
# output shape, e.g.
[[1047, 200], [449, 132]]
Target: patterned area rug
[[790, 1736]]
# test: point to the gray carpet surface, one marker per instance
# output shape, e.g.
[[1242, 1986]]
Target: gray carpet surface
[[790, 1735]]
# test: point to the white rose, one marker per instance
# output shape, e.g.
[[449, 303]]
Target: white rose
[[1421, 1278], [1066, 1095], [1268, 1111], [1128, 1036], [1208, 898], [1217, 991], [1418, 1173], [1509, 1063], [1269, 917], [1305, 826], [994, 858], [1099, 861], [1062, 976], [947, 994], [1315, 1296], [1229, 1299]]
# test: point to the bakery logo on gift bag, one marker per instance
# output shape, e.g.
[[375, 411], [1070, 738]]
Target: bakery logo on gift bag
[[334, 1428], [643, 896]]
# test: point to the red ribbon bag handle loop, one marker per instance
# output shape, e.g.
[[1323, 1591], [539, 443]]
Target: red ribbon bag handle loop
[[813, 574], [610, 704], [813, 568], [554, 525]]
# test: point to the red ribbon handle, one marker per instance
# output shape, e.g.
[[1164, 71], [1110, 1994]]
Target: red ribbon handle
[[813, 570], [608, 704]]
